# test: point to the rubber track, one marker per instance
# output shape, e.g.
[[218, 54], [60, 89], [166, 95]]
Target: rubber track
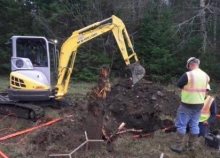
[[39, 112]]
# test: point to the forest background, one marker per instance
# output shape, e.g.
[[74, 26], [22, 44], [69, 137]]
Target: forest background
[[165, 33]]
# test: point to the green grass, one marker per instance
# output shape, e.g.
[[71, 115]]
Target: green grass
[[79, 90], [4, 80], [153, 147], [76, 90]]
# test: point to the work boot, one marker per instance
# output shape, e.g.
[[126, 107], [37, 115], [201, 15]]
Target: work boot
[[192, 141], [179, 146]]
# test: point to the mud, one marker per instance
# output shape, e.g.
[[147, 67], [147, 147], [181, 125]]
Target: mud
[[143, 106], [61, 137]]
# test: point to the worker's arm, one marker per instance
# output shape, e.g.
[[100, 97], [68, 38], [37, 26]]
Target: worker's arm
[[213, 112], [183, 80]]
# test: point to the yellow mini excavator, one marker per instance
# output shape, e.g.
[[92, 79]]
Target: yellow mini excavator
[[41, 73]]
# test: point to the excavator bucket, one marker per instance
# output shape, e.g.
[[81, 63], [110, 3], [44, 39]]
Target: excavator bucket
[[137, 72]]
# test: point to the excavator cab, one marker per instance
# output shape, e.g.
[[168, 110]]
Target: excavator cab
[[34, 65]]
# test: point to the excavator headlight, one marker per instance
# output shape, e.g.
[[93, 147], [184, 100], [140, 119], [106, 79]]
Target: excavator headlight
[[19, 63]]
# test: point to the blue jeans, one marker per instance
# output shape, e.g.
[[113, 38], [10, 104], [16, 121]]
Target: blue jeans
[[187, 116], [204, 129]]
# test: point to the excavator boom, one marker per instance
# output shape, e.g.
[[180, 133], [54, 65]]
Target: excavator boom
[[70, 46]]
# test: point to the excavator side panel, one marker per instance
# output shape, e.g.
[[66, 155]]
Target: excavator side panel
[[28, 85]]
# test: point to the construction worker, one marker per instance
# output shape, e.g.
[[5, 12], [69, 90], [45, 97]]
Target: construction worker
[[193, 84], [208, 113]]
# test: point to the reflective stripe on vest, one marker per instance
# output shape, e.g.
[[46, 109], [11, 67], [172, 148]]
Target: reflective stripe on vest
[[205, 113], [194, 91]]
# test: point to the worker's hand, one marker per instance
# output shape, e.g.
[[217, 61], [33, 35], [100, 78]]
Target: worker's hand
[[205, 122]]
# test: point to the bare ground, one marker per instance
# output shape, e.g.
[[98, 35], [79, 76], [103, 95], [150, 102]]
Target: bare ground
[[144, 106]]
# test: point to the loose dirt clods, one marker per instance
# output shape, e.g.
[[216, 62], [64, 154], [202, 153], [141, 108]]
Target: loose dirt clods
[[144, 106]]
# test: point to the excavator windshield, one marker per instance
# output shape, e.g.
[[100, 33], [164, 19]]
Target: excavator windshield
[[34, 49]]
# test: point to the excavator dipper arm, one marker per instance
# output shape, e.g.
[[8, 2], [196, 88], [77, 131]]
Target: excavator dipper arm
[[70, 46]]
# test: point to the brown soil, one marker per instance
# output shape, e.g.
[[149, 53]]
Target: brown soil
[[143, 106], [60, 137]]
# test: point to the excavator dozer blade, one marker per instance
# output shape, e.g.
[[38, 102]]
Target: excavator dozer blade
[[137, 72]]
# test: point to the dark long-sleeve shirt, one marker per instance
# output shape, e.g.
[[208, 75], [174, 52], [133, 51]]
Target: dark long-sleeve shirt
[[183, 80], [213, 112]]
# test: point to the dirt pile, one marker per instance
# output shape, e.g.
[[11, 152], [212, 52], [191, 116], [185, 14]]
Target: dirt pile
[[61, 137], [143, 106]]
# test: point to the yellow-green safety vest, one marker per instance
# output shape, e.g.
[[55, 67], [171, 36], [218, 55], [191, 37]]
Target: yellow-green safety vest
[[205, 113], [194, 91]]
